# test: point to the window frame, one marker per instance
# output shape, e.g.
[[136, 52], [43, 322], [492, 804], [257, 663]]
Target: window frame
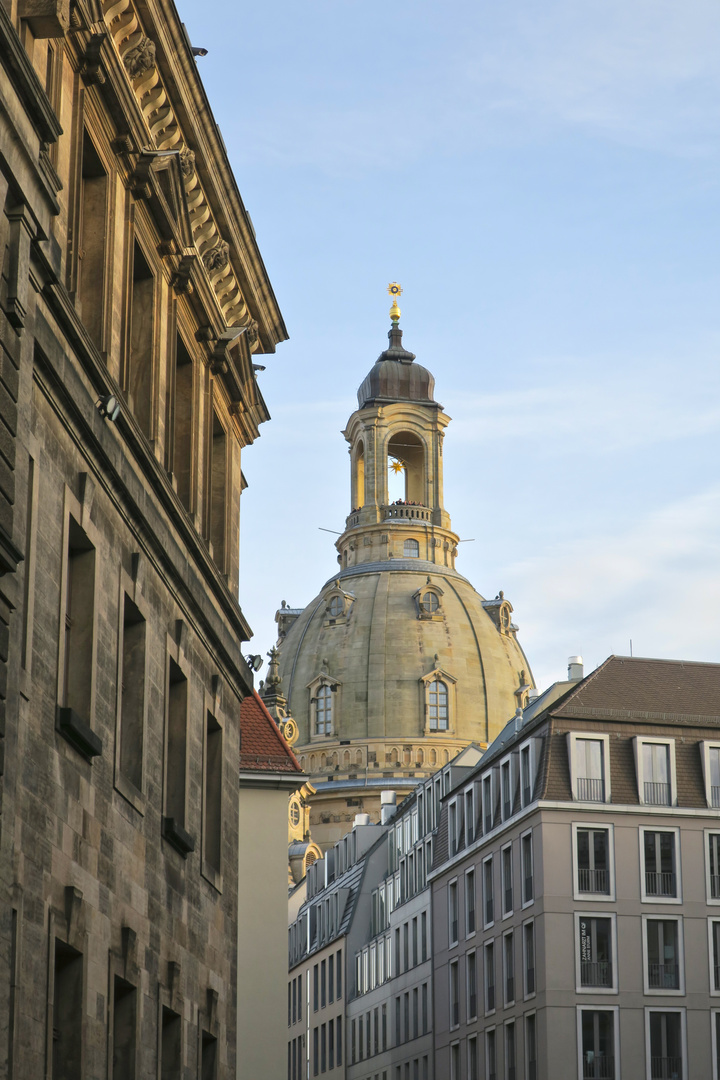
[[644, 897], [488, 946], [682, 1011], [471, 1018], [528, 995], [596, 826], [592, 1007], [324, 680], [713, 901], [612, 916], [453, 884], [507, 763], [503, 884], [639, 742], [573, 737], [714, 1021], [508, 1002], [454, 965], [714, 992], [523, 902], [529, 746], [488, 859], [470, 933], [664, 991], [705, 747]]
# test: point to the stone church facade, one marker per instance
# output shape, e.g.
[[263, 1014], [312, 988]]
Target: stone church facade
[[133, 298]]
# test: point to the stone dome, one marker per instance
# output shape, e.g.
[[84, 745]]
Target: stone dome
[[380, 634], [394, 376]]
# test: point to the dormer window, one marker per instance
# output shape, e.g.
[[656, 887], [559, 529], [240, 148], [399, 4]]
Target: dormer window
[[411, 549], [337, 605], [428, 601]]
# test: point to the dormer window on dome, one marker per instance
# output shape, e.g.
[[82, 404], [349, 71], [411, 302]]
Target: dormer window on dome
[[500, 611], [428, 601], [337, 605]]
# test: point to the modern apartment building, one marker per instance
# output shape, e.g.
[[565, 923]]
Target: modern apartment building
[[576, 886]]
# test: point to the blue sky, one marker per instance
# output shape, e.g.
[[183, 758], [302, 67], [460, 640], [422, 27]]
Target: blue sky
[[543, 179]]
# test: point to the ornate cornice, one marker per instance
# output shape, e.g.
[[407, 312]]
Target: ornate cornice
[[137, 54]]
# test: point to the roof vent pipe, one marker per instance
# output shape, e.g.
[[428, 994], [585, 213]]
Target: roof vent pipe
[[361, 819], [575, 668]]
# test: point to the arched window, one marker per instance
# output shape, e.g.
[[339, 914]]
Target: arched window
[[430, 603], [323, 711], [411, 549], [346, 759], [446, 757], [438, 705], [433, 757], [358, 758], [420, 757], [323, 761]]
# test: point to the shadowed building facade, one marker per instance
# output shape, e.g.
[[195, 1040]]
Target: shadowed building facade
[[398, 662]]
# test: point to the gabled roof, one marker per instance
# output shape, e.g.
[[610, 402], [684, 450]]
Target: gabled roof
[[262, 747], [645, 689]]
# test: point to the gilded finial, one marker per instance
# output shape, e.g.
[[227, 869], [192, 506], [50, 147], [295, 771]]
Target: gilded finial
[[394, 290]]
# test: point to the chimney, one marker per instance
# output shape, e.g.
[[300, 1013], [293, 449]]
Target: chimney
[[575, 668], [533, 695], [361, 819], [388, 801]]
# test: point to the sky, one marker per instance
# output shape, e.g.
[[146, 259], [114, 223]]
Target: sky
[[543, 180]]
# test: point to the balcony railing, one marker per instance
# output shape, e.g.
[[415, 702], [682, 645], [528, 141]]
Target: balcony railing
[[413, 511], [660, 884], [596, 973], [598, 1066], [715, 796], [657, 795], [715, 886], [717, 977], [663, 977], [666, 1068], [590, 790], [593, 881]]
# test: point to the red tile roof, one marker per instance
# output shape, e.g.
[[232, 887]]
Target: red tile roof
[[262, 747]]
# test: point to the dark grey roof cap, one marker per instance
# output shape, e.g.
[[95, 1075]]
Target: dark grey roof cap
[[395, 377]]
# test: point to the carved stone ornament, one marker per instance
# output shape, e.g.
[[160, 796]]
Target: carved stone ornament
[[252, 333], [140, 58], [217, 257], [187, 162]]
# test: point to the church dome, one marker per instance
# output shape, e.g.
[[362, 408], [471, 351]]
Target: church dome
[[398, 663], [394, 376]]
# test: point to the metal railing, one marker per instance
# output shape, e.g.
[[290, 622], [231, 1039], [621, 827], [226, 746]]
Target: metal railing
[[593, 881], [596, 973], [715, 886], [657, 795], [663, 977], [666, 1068], [715, 796], [660, 884], [590, 790], [598, 1066]]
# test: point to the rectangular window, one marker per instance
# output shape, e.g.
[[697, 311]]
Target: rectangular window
[[489, 977], [594, 862], [453, 912], [488, 892], [452, 829], [487, 803], [323, 984], [595, 945], [208, 1056], [331, 1044], [507, 880], [655, 761], [212, 833], [529, 958], [323, 1048], [714, 942], [294, 1001], [218, 497], [471, 968], [291, 988], [383, 1025], [176, 753], [406, 1016], [140, 381], [316, 987], [454, 995], [425, 1014], [353, 1043], [300, 996], [469, 817], [423, 934], [171, 1044], [525, 775], [490, 1055], [469, 903], [663, 969], [506, 785], [473, 1073], [455, 1061], [406, 946], [510, 1051], [79, 638], [590, 776], [398, 1027], [67, 1013], [316, 1051], [711, 772], [531, 1048], [416, 1012], [415, 941], [92, 241], [338, 976], [124, 1024], [509, 967], [331, 978], [526, 856], [597, 1043], [182, 462], [665, 1037], [713, 865], [338, 1040], [131, 686], [660, 864]]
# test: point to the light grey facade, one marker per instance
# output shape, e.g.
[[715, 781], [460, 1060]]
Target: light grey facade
[[587, 842]]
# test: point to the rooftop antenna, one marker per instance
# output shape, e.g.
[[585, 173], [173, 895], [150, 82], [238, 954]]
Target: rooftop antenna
[[334, 531], [631, 646]]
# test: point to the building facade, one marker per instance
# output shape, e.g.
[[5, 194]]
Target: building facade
[[398, 663], [132, 299], [575, 887]]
